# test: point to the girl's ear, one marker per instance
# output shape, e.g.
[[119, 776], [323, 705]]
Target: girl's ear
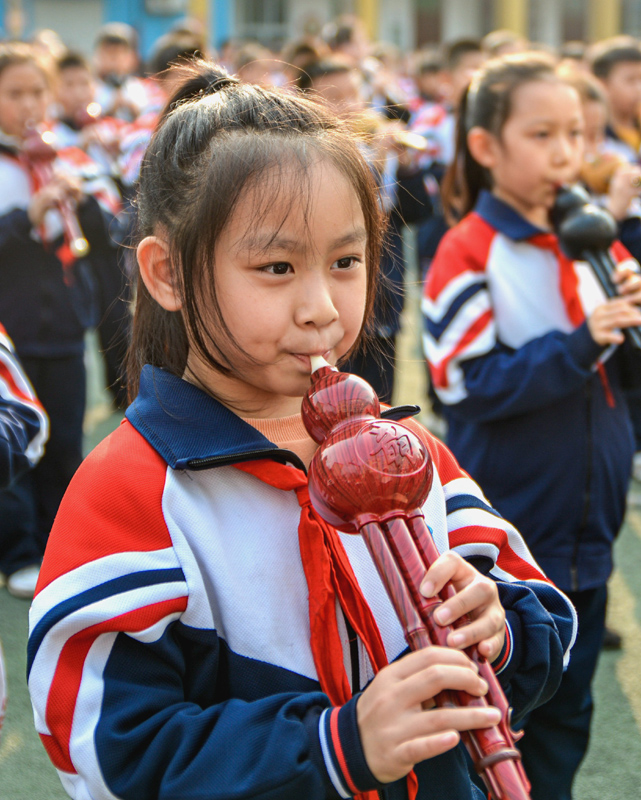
[[483, 147], [155, 270]]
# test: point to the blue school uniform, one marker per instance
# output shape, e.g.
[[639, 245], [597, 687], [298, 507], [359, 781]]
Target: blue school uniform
[[169, 652]]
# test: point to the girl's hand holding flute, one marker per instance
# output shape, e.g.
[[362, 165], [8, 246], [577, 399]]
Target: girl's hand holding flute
[[60, 189], [476, 596], [397, 721]]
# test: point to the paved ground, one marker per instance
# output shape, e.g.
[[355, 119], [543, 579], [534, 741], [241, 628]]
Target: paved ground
[[612, 770]]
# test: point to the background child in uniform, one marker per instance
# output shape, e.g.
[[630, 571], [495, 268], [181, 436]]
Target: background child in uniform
[[337, 82], [195, 618], [528, 358], [47, 301]]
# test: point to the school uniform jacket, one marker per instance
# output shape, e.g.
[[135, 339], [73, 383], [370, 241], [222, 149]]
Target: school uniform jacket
[[531, 417], [24, 425], [169, 652], [45, 309]]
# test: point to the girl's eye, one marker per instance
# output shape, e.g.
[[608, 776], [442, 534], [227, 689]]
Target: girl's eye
[[281, 268], [347, 263]]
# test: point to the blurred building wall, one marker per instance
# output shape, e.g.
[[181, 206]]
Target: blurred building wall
[[405, 23]]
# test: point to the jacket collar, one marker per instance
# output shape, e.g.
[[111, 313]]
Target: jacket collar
[[191, 430], [504, 218]]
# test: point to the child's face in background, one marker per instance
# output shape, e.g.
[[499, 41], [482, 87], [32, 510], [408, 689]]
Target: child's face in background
[[74, 90], [23, 98], [342, 92], [291, 283], [429, 84], [459, 77], [115, 59], [623, 87], [540, 148], [595, 118]]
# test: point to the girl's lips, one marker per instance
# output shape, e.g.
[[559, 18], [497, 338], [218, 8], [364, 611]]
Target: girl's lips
[[306, 359]]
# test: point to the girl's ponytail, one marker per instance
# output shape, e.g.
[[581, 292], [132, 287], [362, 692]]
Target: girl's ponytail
[[465, 177]]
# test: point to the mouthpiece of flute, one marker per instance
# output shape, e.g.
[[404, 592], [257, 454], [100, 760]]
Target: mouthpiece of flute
[[318, 362]]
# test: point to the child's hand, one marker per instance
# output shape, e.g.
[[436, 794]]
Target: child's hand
[[476, 596], [624, 187], [59, 189], [627, 278], [607, 320], [398, 725]]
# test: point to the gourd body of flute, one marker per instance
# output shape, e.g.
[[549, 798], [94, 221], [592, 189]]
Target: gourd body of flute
[[372, 476], [586, 232]]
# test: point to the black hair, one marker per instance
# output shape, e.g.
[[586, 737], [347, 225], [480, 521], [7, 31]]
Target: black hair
[[72, 60], [610, 52], [171, 49], [487, 103], [117, 33], [454, 52], [428, 63], [320, 68], [12, 53], [217, 139]]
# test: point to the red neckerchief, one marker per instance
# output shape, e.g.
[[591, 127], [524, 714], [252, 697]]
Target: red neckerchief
[[330, 578], [568, 284]]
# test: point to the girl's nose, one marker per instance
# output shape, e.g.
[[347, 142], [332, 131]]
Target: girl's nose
[[564, 149], [315, 305]]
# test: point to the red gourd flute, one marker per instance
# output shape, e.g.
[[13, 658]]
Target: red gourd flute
[[371, 476]]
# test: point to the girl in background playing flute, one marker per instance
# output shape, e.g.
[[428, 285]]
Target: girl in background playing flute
[[47, 301], [198, 631], [529, 359]]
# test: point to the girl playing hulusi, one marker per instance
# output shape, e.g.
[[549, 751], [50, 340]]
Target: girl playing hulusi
[[529, 359]]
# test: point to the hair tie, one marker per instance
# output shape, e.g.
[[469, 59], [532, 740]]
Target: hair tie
[[216, 84], [472, 95]]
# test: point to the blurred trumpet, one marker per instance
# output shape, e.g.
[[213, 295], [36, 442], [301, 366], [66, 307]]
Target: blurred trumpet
[[372, 125], [39, 152], [597, 171], [414, 141]]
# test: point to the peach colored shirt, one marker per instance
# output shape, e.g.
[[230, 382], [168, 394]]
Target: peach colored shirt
[[288, 433]]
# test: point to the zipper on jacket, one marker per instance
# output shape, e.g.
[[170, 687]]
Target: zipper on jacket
[[587, 498], [276, 454], [353, 655]]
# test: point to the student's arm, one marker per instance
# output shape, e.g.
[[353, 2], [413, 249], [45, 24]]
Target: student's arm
[[540, 621], [473, 372], [24, 426]]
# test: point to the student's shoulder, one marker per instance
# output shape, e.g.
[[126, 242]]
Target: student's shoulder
[[469, 239], [464, 250], [112, 505]]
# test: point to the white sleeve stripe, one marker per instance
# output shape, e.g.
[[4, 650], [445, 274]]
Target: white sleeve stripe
[[44, 651], [329, 763], [95, 573], [459, 325], [436, 309]]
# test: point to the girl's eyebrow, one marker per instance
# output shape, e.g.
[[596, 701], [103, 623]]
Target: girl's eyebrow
[[257, 242]]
